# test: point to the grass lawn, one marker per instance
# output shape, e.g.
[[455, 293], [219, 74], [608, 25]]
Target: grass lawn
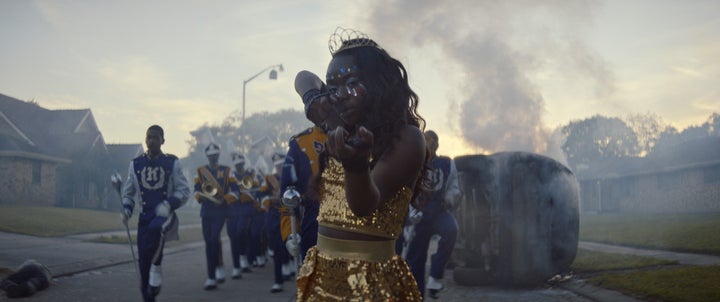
[[682, 284], [55, 221], [646, 278], [699, 233]]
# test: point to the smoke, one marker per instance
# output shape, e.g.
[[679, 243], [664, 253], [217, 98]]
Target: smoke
[[501, 49]]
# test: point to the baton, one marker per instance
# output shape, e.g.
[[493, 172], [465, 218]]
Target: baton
[[116, 180], [291, 199]]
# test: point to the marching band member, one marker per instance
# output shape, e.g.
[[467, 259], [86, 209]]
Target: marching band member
[[257, 247], [241, 217], [436, 205], [155, 181], [214, 189], [303, 159], [277, 224]]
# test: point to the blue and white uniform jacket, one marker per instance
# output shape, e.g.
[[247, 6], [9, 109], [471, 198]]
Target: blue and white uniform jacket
[[151, 181], [442, 185]]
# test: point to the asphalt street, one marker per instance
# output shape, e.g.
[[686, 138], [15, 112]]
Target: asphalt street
[[86, 271]]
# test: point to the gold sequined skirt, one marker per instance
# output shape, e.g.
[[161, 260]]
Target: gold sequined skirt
[[351, 270]]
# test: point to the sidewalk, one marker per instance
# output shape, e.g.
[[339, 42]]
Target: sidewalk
[[681, 258], [69, 255]]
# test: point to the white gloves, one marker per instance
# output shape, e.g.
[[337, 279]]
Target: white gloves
[[265, 204], [163, 209], [293, 246], [125, 215], [408, 233], [414, 215]]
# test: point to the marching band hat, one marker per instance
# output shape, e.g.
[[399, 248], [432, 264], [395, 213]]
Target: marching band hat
[[212, 149], [278, 158], [238, 158]]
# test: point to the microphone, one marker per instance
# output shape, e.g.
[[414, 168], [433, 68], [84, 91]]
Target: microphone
[[355, 142]]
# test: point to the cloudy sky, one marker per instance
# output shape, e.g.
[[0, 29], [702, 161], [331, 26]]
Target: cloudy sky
[[491, 75]]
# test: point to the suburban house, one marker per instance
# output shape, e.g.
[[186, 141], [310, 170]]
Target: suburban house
[[53, 157], [685, 179], [27, 174]]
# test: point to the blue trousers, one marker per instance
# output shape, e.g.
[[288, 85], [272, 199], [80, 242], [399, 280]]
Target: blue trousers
[[211, 228], [238, 230], [308, 230], [442, 223], [280, 253], [258, 238], [150, 243]]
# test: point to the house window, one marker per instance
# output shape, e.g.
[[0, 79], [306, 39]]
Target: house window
[[711, 174], [36, 172]]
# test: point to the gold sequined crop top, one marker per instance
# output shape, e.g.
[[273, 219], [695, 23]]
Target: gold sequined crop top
[[386, 221]]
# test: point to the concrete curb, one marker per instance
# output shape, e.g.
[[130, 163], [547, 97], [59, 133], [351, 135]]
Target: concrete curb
[[67, 269]]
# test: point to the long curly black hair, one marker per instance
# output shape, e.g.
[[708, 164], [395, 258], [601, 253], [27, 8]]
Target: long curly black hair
[[392, 104]]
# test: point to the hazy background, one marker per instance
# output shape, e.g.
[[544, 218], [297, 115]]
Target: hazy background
[[491, 75]]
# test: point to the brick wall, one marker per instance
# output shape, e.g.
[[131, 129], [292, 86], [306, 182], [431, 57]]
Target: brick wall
[[16, 182]]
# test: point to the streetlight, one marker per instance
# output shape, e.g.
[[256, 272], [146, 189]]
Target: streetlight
[[273, 76]]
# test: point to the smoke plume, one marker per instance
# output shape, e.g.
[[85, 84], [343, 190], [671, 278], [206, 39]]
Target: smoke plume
[[500, 49]]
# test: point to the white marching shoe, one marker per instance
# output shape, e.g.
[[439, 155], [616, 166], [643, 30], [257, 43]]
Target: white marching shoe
[[155, 280], [260, 260], [155, 275], [287, 271], [210, 284], [236, 273], [220, 274], [434, 287], [276, 288], [244, 265]]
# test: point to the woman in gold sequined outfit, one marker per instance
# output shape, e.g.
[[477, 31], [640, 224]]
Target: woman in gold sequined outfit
[[376, 157]]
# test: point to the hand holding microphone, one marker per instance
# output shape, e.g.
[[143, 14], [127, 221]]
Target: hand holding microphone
[[352, 150]]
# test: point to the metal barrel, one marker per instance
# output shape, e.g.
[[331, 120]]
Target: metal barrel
[[518, 220]]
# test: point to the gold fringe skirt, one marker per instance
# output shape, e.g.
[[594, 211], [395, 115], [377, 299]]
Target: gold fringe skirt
[[352, 270]]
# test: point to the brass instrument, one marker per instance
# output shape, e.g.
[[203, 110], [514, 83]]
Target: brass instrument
[[246, 182], [209, 190], [246, 186]]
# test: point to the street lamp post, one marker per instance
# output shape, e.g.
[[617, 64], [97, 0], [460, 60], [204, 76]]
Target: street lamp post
[[273, 76]]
